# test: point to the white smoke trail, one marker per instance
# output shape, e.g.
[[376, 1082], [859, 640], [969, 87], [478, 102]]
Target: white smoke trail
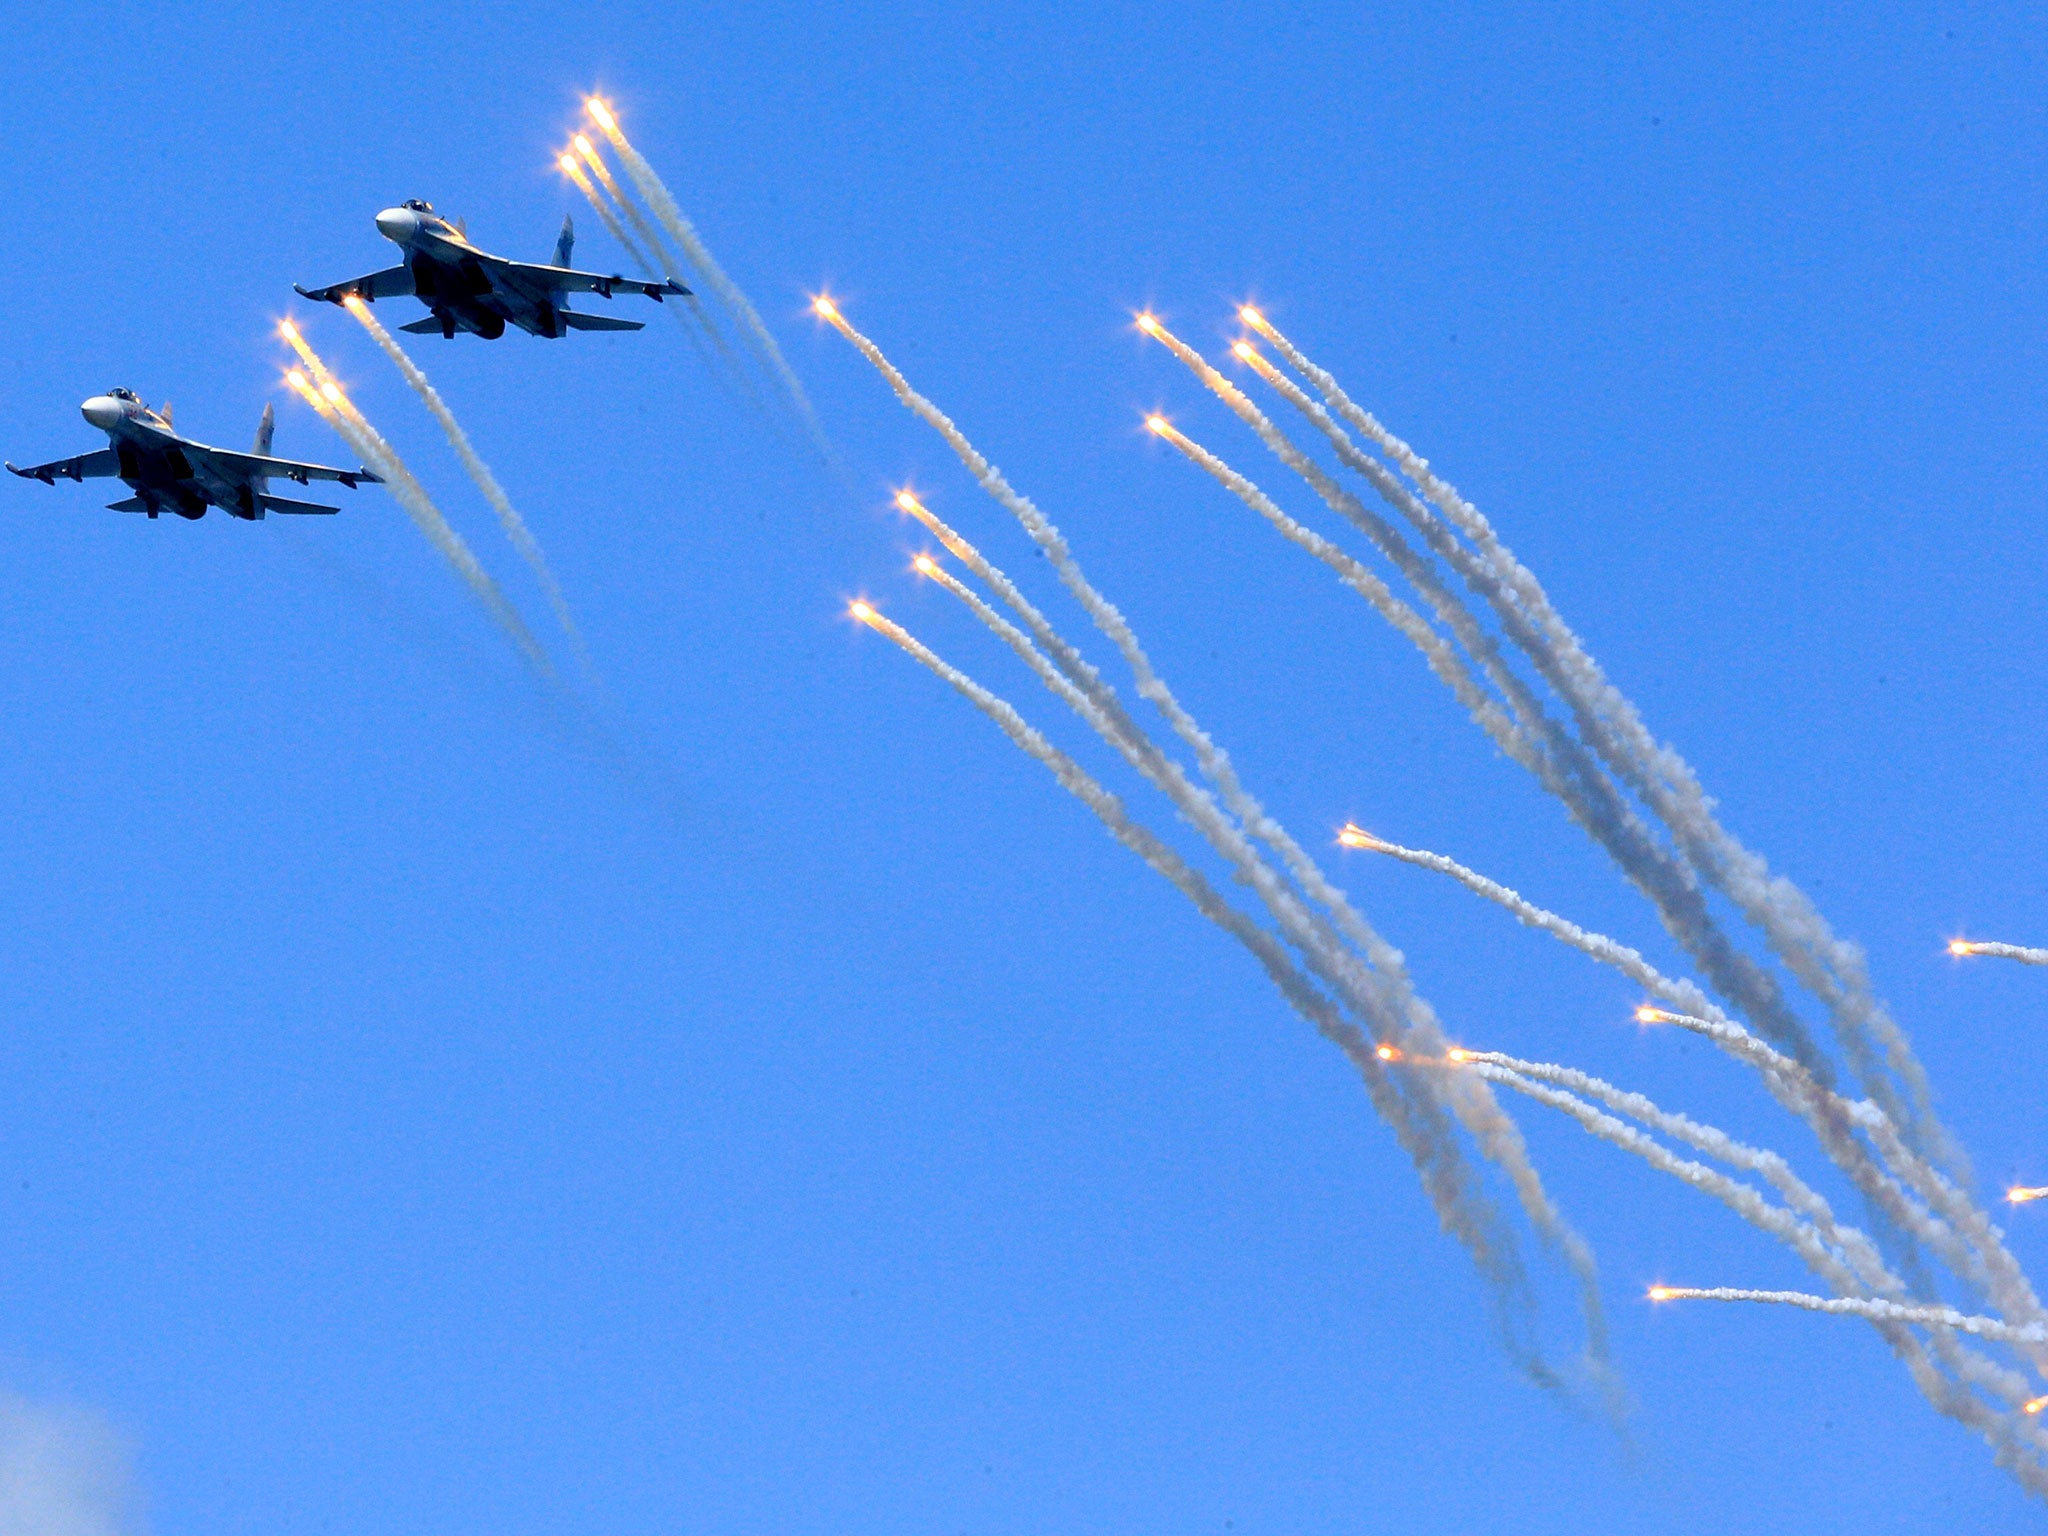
[[1215, 763], [663, 261], [1961, 1233], [1165, 775], [1442, 658], [2017, 952], [1864, 1306], [1802, 1237], [1950, 1223], [1511, 736], [1795, 1232], [669, 263], [1853, 1262], [63, 1472], [334, 408], [1830, 1116], [1385, 994], [1865, 1266], [1299, 991], [603, 210], [516, 531], [1841, 1254], [1598, 946], [1448, 611], [1099, 708], [670, 214], [687, 313], [1855, 1247], [1832, 968], [1566, 769]]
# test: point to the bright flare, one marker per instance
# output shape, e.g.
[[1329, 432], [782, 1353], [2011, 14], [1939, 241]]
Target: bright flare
[[862, 612], [1244, 350], [1652, 1015], [1659, 1293], [602, 114], [1387, 1053], [925, 565], [2020, 952], [296, 379], [2034, 1405], [1159, 424], [2022, 1195], [333, 394], [1353, 835], [825, 308], [1148, 325]]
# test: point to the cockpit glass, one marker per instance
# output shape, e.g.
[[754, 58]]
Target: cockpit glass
[[418, 206], [122, 394]]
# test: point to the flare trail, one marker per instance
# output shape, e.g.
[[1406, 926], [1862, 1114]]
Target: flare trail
[[516, 531]]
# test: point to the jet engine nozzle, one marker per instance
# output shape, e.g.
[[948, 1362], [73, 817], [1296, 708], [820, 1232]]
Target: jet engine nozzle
[[103, 411], [398, 224]]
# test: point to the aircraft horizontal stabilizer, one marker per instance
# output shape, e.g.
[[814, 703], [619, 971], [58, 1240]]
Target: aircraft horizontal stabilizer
[[576, 320], [132, 504], [431, 326], [282, 504]]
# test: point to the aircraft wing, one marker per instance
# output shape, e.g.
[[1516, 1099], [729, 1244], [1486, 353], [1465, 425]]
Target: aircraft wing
[[249, 465], [537, 282], [391, 283], [86, 466]]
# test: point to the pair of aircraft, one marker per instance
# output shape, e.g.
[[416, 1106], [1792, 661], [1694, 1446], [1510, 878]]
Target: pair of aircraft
[[464, 289]]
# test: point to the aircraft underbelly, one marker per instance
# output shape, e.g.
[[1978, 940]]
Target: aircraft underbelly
[[165, 478], [460, 289]]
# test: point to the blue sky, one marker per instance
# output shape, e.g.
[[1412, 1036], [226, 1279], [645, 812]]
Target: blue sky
[[791, 1113]]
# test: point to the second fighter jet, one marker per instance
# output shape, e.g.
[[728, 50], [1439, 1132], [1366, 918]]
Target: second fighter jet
[[471, 290]]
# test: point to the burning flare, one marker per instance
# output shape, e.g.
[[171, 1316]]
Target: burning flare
[[2019, 952]]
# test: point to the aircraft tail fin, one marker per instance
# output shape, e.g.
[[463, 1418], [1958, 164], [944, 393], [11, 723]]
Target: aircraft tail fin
[[565, 241], [576, 320], [283, 504], [166, 414], [265, 430]]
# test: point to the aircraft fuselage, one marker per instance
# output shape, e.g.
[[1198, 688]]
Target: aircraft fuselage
[[450, 279], [154, 464]]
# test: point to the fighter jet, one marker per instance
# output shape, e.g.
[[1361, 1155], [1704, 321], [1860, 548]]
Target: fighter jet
[[472, 290], [169, 473]]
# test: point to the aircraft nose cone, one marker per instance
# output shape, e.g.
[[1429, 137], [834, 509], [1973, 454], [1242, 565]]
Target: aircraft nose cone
[[397, 224], [102, 411]]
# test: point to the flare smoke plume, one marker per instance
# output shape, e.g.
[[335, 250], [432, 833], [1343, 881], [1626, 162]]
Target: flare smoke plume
[[516, 531], [1522, 673], [325, 395]]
